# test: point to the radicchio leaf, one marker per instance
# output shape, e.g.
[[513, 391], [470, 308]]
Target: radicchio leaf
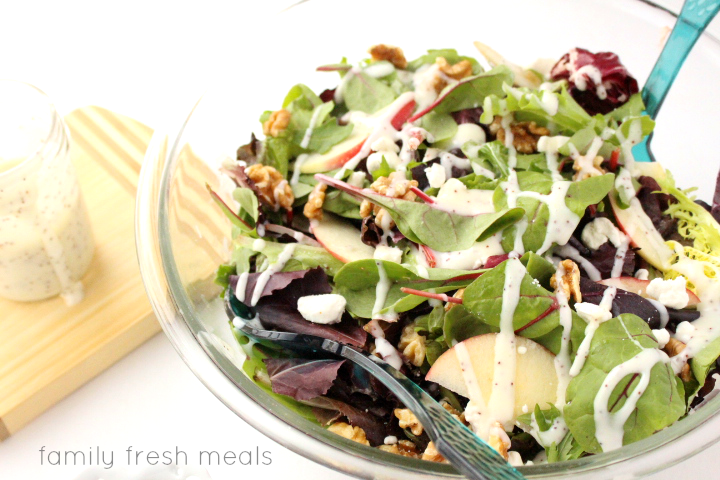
[[579, 67], [302, 379], [624, 302], [278, 310]]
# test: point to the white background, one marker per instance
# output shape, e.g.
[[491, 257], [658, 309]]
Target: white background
[[125, 56]]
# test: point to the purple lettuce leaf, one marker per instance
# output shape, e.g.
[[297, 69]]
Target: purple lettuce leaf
[[615, 80], [370, 233], [250, 153], [469, 115], [374, 427], [302, 379], [276, 281], [654, 204], [603, 259], [279, 309]]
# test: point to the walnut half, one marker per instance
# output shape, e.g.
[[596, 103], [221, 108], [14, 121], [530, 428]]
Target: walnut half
[[356, 434], [392, 54], [525, 134], [313, 207], [277, 123], [412, 345], [675, 347], [569, 275], [274, 189]]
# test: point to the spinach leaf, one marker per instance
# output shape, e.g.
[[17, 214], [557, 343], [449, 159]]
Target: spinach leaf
[[278, 151], [426, 224], [441, 126], [366, 94], [357, 282], [301, 97], [469, 92], [340, 203], [248, 205], [704, 360], [579, 196], [662, 401], [304, 256]]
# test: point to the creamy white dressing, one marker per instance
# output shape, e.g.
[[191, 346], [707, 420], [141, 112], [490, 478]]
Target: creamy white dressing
[[472, 258], [455, 197], [561, 220], [562, 359], [664, 315], [550, 146], [594, 315], [554, 434], [241, 286], [273, 268], [572, 253], [623, 182], [585, 164]]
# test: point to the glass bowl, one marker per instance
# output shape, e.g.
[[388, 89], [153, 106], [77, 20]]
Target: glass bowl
[[182, 237]]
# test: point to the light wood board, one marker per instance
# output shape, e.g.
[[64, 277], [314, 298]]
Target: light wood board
[[48, 350]]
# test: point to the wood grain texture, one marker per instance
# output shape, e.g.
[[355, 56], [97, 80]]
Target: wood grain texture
[[48, 350]]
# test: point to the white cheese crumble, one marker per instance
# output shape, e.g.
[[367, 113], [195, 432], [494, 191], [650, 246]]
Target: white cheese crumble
[[436, 175], [684, 331], [390, 254], [592, 313], [600, 231], [390, 440], [356, 179], [642, 274], [325, 309], [466, 132], [671, 293], [662, 336], [455, 197]]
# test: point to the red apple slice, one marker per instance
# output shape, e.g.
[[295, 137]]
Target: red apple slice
[[642, 233], [341, 153], [535, 382], [341, 239], [651, 169], [639, 287]]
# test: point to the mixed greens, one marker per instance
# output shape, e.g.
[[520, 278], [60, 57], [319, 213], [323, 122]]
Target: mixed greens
[[488, 232]]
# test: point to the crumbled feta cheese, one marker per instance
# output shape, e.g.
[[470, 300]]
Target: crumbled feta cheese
[[467, 132], [356, 179], [436, 175], [514, 459], [390, 440], [324, 309], [642, 274], [592, 313], [671, 293], [662, 336], [390, 254], [600, 231], [684, 331], [385, 144], [258, 244]]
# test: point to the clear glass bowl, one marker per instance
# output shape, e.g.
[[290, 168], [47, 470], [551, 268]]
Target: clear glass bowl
[[182, 236]]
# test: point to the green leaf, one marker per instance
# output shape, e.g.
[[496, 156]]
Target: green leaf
[[438, 229], [364, 93], [491, 155], [448, 54], [357, 282], [301, 97], [533, 105], [662, 401], [469, 92], [383, 170], [222, 277], [343, 204], [568, 449], [304, 256], [248, 205], [703, 361], [460, 325], [441, 126], [277, 153]]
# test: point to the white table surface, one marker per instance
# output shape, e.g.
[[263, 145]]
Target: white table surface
[[122, 57]]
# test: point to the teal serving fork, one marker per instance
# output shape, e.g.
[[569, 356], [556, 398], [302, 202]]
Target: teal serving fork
[[691, 23], [469, 454]]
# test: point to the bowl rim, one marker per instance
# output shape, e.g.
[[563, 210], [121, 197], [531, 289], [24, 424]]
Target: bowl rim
[[209, 364]]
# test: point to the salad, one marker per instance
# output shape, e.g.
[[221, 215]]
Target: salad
[[488, 232]]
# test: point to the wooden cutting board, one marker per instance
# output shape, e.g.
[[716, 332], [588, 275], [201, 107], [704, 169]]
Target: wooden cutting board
[[47, 350]]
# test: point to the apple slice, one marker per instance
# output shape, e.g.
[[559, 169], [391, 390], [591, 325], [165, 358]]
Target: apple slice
[[642, 233], [651, 169], [398, 112], [535, 382], [639, 287], [340, 238]]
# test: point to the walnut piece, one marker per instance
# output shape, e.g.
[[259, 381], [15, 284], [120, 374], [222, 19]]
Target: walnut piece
[[403, 447], [499, 440], [274, 189], [569, 280], [395, 186], [432, 455], [277, 123], [449, 73], [674, 347], [356, 434], [407, 419], [412, 345], [313, 207], [392, 54], [459, 294], [586, 167], [525, 134]]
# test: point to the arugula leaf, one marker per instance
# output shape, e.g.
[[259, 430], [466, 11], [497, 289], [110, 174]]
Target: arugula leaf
[[448, 54], [491, 155], [366, 94], [426, 224], [568, 449], [662, 401], [357, 282], [533, 105], [469, 92]]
